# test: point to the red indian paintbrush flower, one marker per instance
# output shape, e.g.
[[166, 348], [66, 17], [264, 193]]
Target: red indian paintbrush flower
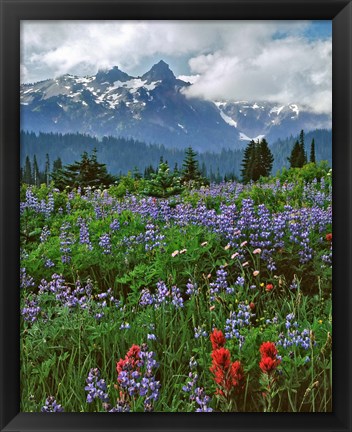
[[226, 374], [134, 351], [267, 364], [268, 349], [217, 339], [237, 374], [328, 237], [269, 360], [221, 366], [221, 357], [130, 359]]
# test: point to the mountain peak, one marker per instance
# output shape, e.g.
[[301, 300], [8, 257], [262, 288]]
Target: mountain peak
[[159, 71], [112, 75]]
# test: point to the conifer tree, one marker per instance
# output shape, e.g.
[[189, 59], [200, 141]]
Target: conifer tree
[[257, 161], [148, 171], [86, 172], [176, 170], [47, 169], [266, 158], [296, 158], [163, 183], [302, 159], [312, 152], [27, 172], [191, 172], [248, 162]]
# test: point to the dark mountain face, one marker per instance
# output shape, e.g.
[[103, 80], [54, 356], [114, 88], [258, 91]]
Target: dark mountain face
[[159, 72], [153, 108]]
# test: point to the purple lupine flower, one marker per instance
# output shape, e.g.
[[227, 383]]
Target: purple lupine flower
[[191, 288], [177, 300], [115, 225], [49, 263], [96, 387], [161, 293], [236, 321], [152, 237], [121, 407], [202, 400], [84, 234], [104, 243], [31, 310], [190, 384], [220, 284], [200, 332], [294, 337], [51, 405], [146, 298], [44, 234], [26, 281], [196, 394], [66, 242]]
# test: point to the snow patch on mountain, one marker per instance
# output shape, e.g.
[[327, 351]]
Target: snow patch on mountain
[[244, 137], [277, 110], [228, 119], [134, 84], [294, 108]]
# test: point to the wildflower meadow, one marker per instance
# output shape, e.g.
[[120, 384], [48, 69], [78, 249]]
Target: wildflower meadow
[[215, 299]]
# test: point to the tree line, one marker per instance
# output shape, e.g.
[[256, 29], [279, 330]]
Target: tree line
[[257, 162], [119, 154]]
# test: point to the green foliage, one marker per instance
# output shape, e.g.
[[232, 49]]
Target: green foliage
[[164, 183], [298, 156], [307, 173], [87, 172], [312, 152], [191, 174], [257, 161]]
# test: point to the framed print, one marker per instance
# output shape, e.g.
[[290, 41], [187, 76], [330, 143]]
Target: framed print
[[175, 215]]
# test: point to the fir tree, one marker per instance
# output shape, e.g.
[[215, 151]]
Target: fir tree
[[164, 183], [191, 172], [47, 169], [27, 172], [148, 171], [86, 172], [248, 162], [257, 161], [302, 159], [266, 158], [296, 158], [176, 170], [312, 152]]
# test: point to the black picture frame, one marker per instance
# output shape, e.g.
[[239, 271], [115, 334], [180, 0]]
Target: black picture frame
[[12, 12]]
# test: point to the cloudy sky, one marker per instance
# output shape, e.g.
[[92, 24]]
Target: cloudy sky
[[279, 61]]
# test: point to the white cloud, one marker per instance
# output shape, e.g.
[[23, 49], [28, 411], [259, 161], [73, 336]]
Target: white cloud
[[189, 78], [255, 60], [290, 70]]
